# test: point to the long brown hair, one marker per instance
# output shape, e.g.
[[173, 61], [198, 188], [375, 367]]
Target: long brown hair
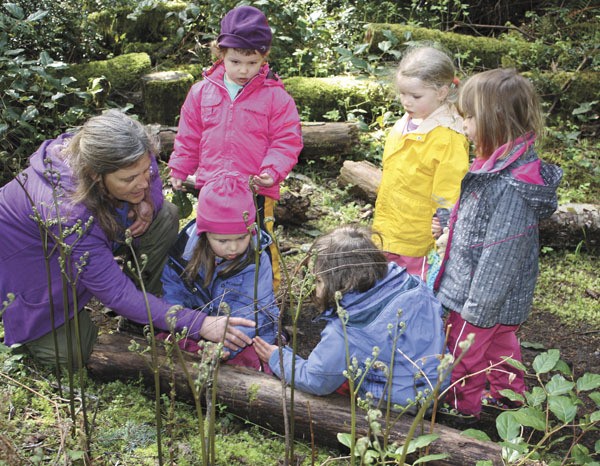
[[204, 258], [504, 106], [103, 145], [347, 259]]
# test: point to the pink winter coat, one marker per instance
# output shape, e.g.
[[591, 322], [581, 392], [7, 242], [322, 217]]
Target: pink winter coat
[[258, 132]]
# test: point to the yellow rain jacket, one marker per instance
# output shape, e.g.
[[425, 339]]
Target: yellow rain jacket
[[422, 171]]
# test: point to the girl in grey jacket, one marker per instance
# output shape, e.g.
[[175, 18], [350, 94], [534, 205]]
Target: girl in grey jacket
[[491, 263]]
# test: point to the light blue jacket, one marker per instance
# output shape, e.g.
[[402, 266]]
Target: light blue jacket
[[400, 316], [237, 291]]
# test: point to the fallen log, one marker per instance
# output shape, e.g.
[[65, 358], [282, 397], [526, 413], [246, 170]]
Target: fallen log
[[320, 138], [569, 226], [257, 397]]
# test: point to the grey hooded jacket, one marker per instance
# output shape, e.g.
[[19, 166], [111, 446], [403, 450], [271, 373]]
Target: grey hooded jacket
[[491, 263]]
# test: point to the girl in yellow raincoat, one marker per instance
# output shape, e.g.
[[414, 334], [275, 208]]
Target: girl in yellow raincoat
[[425, 158]]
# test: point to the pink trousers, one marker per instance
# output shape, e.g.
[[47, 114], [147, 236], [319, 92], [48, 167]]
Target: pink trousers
[[482, 363]]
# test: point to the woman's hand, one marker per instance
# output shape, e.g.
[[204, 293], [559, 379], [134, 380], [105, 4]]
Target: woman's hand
[[263, 349], [221, 328], [142, 218]]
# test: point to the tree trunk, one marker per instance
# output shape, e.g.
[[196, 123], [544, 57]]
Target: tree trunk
[[569, 226], [319, 139], [257, 397]]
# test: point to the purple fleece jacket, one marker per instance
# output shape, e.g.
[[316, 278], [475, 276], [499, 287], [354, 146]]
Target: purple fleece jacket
[[23, 269]]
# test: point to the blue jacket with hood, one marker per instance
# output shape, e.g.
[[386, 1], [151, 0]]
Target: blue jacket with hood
[[400, 316], [236, 290]]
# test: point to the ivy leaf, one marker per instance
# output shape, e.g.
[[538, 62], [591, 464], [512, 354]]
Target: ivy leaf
[[182, 201], [507, 426], [562, 407], [558, 385], [530, 417], [545, 362], [344, 439], [536, 397], [588, 382]]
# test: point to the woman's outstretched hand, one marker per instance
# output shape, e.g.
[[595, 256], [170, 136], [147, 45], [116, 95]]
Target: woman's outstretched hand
[[263, 349], [215, 328]]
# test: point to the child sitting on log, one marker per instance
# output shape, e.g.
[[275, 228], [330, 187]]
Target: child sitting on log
[[367, 304]]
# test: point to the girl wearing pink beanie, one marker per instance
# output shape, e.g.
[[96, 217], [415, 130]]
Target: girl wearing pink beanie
[[212, 267]]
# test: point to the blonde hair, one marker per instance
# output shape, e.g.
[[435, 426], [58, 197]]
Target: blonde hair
[[504, 106], [347, 259], [104, 144], [432, 66]]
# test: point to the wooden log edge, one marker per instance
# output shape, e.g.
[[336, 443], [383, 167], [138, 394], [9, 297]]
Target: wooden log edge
[[257, 397]]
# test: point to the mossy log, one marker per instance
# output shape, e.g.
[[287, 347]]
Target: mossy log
[[483, 52], [163, 92], [123, 72], [569, 226], [315, 97], [320, 139], [258, 397]]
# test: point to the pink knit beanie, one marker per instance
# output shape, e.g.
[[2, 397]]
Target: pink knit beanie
[[225, 206], [245, 27]]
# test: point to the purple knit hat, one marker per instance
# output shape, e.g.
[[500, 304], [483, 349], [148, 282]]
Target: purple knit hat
[[245, 27], [225, 206]]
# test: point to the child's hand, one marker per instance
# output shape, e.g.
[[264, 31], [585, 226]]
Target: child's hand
[[176, 183], [263, 349], [436, 227], [264, 180]]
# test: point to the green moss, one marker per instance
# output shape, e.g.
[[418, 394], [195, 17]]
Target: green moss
[[562, 284], [317, 96], [122, 72], [164, 93]]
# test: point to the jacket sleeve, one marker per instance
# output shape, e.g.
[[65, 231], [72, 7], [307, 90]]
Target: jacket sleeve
[[184, 159], [286, 138], [510, 237], [175, 291], [323, 372], [452, 164], [103, 277]]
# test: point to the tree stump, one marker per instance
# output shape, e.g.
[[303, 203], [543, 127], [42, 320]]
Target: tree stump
[[257, 397], [163, 92]]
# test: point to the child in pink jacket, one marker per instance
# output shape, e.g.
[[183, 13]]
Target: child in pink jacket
[[239, 118]]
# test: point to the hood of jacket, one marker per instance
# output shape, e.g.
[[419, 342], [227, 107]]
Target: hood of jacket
[[536, 181], [363, 308]]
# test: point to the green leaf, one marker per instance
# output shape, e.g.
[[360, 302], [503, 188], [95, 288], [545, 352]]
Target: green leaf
[[182, 201], [536, 397], [532, 345], [421, 441], [530, 417], [15, 10], [595, 416], [588, 382], [507, 426], [514, 363], [558, 385], [545, 362], [595, 397], [428, 458], [344, 439], [562, 407], [36, 15], [477, 435]]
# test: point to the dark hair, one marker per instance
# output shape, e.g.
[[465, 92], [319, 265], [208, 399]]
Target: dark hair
[[203, 257], [219, 51], [347, 259]]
